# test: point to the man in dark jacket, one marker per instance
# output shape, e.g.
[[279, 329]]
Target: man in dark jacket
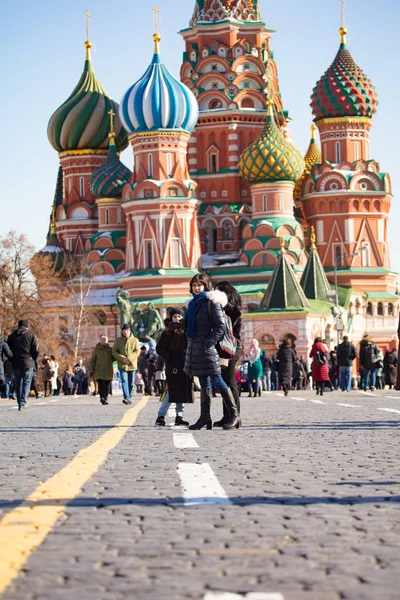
[[345, 355], [369, 356], [25, 350]]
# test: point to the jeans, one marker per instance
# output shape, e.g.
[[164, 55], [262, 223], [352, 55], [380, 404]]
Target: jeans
[[8, 388], [77, 387], [266, 381], [275, 380], [165, 406], [345, 378], [369, 378], [254, 384], [214, 381], [127, 379], [23, 378]]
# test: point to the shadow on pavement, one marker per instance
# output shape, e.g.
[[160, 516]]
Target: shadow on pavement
[[236, 501]]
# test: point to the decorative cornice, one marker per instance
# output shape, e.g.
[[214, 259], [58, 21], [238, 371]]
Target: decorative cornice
[[158, 133], [86, 152], [331, 120]]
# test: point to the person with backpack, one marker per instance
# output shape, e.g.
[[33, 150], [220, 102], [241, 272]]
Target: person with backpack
[[233, 311], [205, 327], [287, 356], [369, 358], [320, 368], [346, 354]]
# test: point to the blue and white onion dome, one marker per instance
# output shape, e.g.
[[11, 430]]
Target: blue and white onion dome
[[158, 101]]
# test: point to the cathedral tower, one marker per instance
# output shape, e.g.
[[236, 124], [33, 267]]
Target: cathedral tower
[[227, 63], [347, 198], [160, 205], [78, 131]]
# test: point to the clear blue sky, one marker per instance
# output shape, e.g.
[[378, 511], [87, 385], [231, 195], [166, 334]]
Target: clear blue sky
[[42, 55]]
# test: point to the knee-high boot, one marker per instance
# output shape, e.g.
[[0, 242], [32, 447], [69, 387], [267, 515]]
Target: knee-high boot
[[234, 421], [205, 406], [225, 417]]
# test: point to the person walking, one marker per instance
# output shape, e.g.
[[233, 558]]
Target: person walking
[[233, 310], [25, 350], [287, 356], [143, 368], [9, 388], [139, 382], [266, 376], [369, 356], [126, 352], [79, 377], [255, 371], [346, 354], [67, 381], [333, 369], [101, 367], [299, 375], [275, 372], [171, 347], [5, 352], [54, 378], [390, 368], [205, 327], [160, 377], [319, 369]]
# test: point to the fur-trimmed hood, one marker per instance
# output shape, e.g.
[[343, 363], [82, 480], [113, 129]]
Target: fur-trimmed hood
[[216, 296]]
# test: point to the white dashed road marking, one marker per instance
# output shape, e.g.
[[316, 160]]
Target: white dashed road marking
[[391, 410], [184, 440], [349, 405], [318, 401], [297, 398], [249, 596], [200, 485]]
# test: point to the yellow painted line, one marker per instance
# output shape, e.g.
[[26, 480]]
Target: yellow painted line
[[23, 529]]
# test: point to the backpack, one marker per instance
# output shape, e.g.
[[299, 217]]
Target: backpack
[[227, 346], [320, 358]]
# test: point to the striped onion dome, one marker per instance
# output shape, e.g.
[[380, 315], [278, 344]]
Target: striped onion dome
[[82, 121], [344, 90], [158, 101], [109, 179], [271, 157]]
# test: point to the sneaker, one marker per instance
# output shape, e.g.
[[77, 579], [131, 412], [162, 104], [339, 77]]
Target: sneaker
[[180, 422], [160, 422], [126, 401], [373, 389]]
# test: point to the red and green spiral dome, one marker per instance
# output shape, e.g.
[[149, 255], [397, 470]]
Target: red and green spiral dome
[[344, 90]]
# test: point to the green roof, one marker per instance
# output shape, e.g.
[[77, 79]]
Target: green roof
[[235, 207], [383, 295], [284, 290], [314, 281]]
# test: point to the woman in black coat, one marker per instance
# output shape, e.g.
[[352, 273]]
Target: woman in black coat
[[390, 368], [234, 311], [286, 356], [4, 351], [205, 327], [172, 348]]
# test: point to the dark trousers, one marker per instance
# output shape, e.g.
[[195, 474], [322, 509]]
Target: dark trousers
[[23, 378], [104, 388], [147, 383], [229, 376]]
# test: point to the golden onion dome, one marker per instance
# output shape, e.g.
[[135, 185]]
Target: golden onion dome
[[313, 157], [271, 157]]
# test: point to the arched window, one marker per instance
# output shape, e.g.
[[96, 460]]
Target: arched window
[[280, 201], [149, 255], [169, 164], [215, 104], [107, 217], [338, 256], [82, 186], [213, 163], [265, 203], [247, 103], [337, 152], [369, 308], [150, 165], [365, 255], [380, 309], [390, 309], [227, 231], [356, 150]]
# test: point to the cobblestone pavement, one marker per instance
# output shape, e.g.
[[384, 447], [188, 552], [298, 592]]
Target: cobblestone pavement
[[303, 501]]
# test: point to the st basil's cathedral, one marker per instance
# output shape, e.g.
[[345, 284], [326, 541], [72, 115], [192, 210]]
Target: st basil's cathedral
[[218, 184]]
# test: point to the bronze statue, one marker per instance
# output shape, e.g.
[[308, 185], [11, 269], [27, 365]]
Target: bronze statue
[[124, 305]]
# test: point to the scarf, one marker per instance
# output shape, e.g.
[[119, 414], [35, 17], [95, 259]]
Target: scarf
[[254, 354], [190, 320]]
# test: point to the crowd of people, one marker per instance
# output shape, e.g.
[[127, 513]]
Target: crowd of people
[[200, 348]]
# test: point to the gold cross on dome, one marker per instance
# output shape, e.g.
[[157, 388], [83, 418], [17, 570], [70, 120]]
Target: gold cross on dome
[[87, 13], [155, 10], [342, 5], [112, 115]]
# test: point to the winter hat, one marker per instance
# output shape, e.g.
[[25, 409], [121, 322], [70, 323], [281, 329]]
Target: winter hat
[[176, 311], [23, 323], [125, 326]]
